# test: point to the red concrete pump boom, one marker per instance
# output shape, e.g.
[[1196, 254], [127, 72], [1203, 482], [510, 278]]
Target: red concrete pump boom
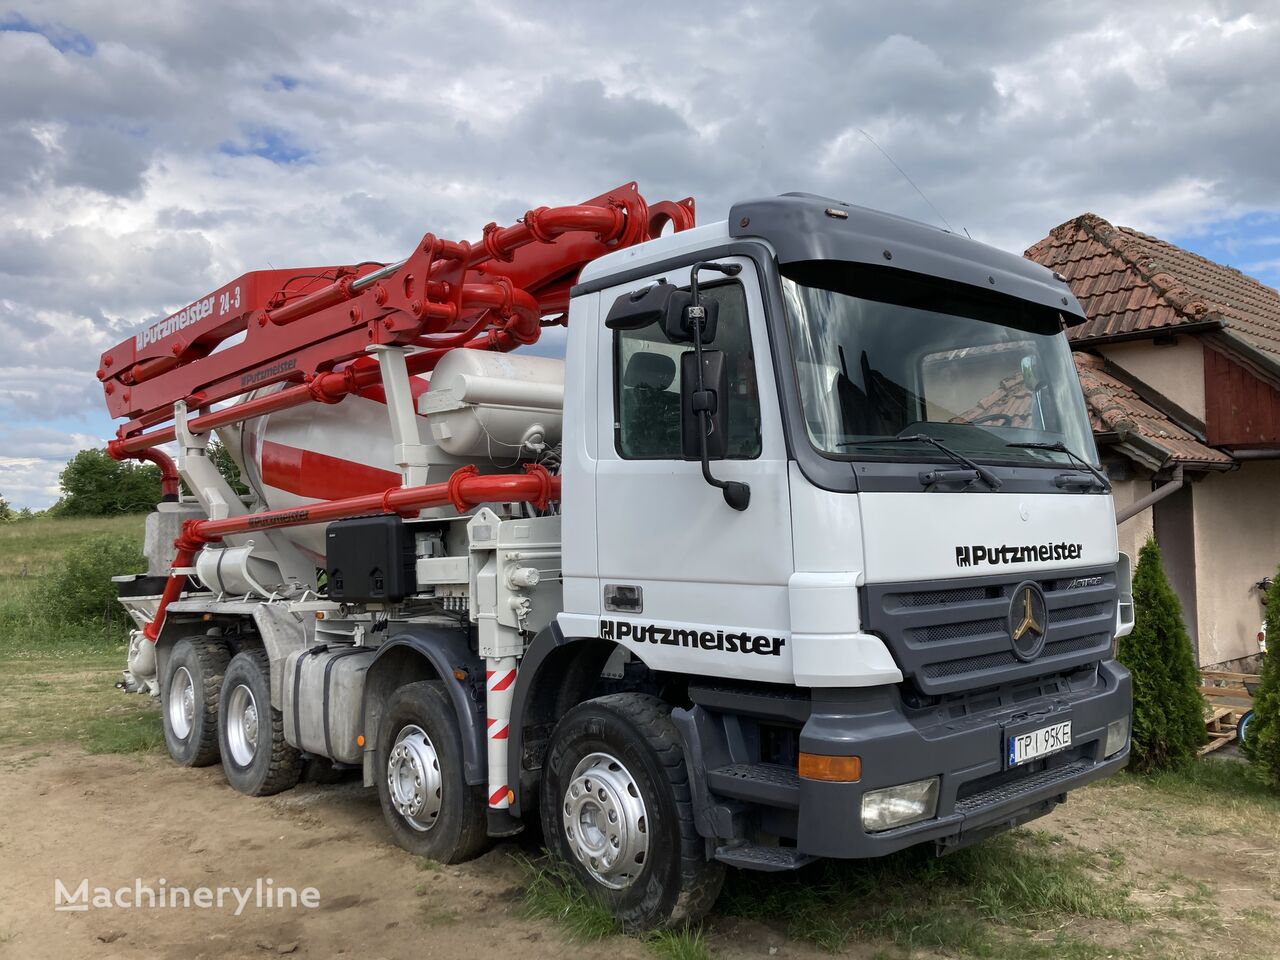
[[311, 327]]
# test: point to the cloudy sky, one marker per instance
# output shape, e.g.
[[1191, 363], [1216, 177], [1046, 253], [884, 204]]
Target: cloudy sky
[[152, 151]]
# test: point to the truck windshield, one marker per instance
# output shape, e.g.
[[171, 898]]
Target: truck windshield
[[881, 353]]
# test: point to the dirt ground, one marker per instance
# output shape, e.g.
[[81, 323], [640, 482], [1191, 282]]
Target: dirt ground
[[110, 819], [1209, 879]]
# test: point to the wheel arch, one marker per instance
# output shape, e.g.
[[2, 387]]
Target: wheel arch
[[274, 627], [428, 653], [556, 673]]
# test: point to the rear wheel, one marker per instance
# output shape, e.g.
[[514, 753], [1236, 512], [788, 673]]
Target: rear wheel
[[192, 684], [429, 807], [255, 756], [616, 806]]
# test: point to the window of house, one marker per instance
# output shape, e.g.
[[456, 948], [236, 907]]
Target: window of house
[[647, 383]]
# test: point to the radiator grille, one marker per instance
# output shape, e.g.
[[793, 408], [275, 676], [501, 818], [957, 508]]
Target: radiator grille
[[955, 636]]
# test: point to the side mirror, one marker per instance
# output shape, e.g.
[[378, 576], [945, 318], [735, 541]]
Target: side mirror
[[642, 307], [712, 398], [676, 324]]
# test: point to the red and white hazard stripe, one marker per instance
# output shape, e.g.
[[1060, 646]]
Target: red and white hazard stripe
[[500, 682]]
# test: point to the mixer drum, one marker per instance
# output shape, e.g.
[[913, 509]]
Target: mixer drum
[[490, 409]]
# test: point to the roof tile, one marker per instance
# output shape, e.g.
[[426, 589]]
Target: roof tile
[[1129, 282]]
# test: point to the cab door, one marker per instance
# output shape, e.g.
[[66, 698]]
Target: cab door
[[687, 583]]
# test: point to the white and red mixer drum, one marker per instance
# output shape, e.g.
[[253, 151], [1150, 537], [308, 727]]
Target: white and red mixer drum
[[491, 409]]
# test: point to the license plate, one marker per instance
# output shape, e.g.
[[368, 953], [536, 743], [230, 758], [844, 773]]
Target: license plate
[[1039, 743]]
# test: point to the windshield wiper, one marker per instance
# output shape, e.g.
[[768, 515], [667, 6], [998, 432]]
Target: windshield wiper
[[928, 478], [1057, 446]]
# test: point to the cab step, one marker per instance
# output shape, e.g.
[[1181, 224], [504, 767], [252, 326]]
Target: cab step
[[767, 859], [768, 783]]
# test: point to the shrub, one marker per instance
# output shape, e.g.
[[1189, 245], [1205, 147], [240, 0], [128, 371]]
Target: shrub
[[94, 485], [80, 589], [1263, 745], [1168, 710]]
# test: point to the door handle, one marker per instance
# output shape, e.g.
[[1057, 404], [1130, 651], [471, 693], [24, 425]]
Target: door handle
[[623, 598]]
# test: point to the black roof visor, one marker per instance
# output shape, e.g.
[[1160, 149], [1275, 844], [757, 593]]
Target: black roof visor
[[802, 226]]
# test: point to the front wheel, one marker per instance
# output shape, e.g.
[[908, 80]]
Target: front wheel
[[616, 806]]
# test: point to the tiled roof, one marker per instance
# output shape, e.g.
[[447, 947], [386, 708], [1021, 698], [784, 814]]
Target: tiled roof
[[1115, 411], [1131, 283], [1116, 408]]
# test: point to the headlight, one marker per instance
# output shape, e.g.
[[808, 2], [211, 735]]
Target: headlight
[[1117, 737], [897, 806]]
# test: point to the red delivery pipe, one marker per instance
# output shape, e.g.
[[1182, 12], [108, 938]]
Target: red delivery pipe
[[168, 472], [466, 488]]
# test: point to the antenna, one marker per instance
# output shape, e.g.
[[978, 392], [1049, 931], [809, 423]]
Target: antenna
[[885, 154]]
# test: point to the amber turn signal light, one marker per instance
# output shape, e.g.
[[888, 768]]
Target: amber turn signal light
[[815, 766]]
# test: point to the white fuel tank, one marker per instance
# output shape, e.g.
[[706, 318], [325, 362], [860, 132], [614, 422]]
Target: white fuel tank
[[494, 411]]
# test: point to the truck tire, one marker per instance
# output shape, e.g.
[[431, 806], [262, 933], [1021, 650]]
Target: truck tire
[[189, 694], [616, 807], [429, 807], [255, 757]]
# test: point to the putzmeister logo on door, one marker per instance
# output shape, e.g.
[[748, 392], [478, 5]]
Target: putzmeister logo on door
[[726, 640]]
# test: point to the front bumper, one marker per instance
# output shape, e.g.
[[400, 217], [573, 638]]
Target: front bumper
[[978, 795]]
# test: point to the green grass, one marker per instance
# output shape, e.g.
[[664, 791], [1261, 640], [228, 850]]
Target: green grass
[[1212, 780], [57, 673], [1007, 897], [686, 944], [73, 698], [553, 893], [979, 901], [31, 554]]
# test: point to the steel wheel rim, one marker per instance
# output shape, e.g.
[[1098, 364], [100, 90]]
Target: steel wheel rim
[[242, 725], [605, 821], [182, 703], [413, 778]]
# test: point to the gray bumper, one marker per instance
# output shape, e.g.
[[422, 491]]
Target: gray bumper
[[978, 796]]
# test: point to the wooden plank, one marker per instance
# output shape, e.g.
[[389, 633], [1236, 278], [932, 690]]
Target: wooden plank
[[1215, 744], [1217, 714], [1226, 693], [1228, 675]]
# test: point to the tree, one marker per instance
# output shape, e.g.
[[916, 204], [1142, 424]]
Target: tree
[[6, 511], [1263, 745], [94, 485], [221, 458], [1168, 710]]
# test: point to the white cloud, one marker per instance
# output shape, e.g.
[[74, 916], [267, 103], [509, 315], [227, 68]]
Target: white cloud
[[154, 151]]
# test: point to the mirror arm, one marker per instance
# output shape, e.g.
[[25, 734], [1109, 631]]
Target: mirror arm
[[736, 494]]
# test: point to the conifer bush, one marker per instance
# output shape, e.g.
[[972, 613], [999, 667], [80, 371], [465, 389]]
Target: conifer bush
[[1263, 745], [1168, 710]]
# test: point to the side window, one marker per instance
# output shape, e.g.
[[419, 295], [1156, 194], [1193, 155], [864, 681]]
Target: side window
[[646, 383]]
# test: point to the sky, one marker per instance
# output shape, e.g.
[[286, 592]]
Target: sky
[[152, 152]]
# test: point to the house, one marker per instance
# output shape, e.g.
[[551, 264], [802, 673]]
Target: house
[[1179, 361]]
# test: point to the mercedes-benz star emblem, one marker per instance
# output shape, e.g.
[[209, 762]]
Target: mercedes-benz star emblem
[[1028, 621]]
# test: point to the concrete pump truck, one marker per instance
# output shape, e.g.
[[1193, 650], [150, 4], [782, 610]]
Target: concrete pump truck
[[801, 551]]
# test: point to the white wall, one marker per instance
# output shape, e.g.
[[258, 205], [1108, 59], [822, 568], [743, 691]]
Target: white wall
[[1133, 532], [1237, 530], [1176, 371]]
